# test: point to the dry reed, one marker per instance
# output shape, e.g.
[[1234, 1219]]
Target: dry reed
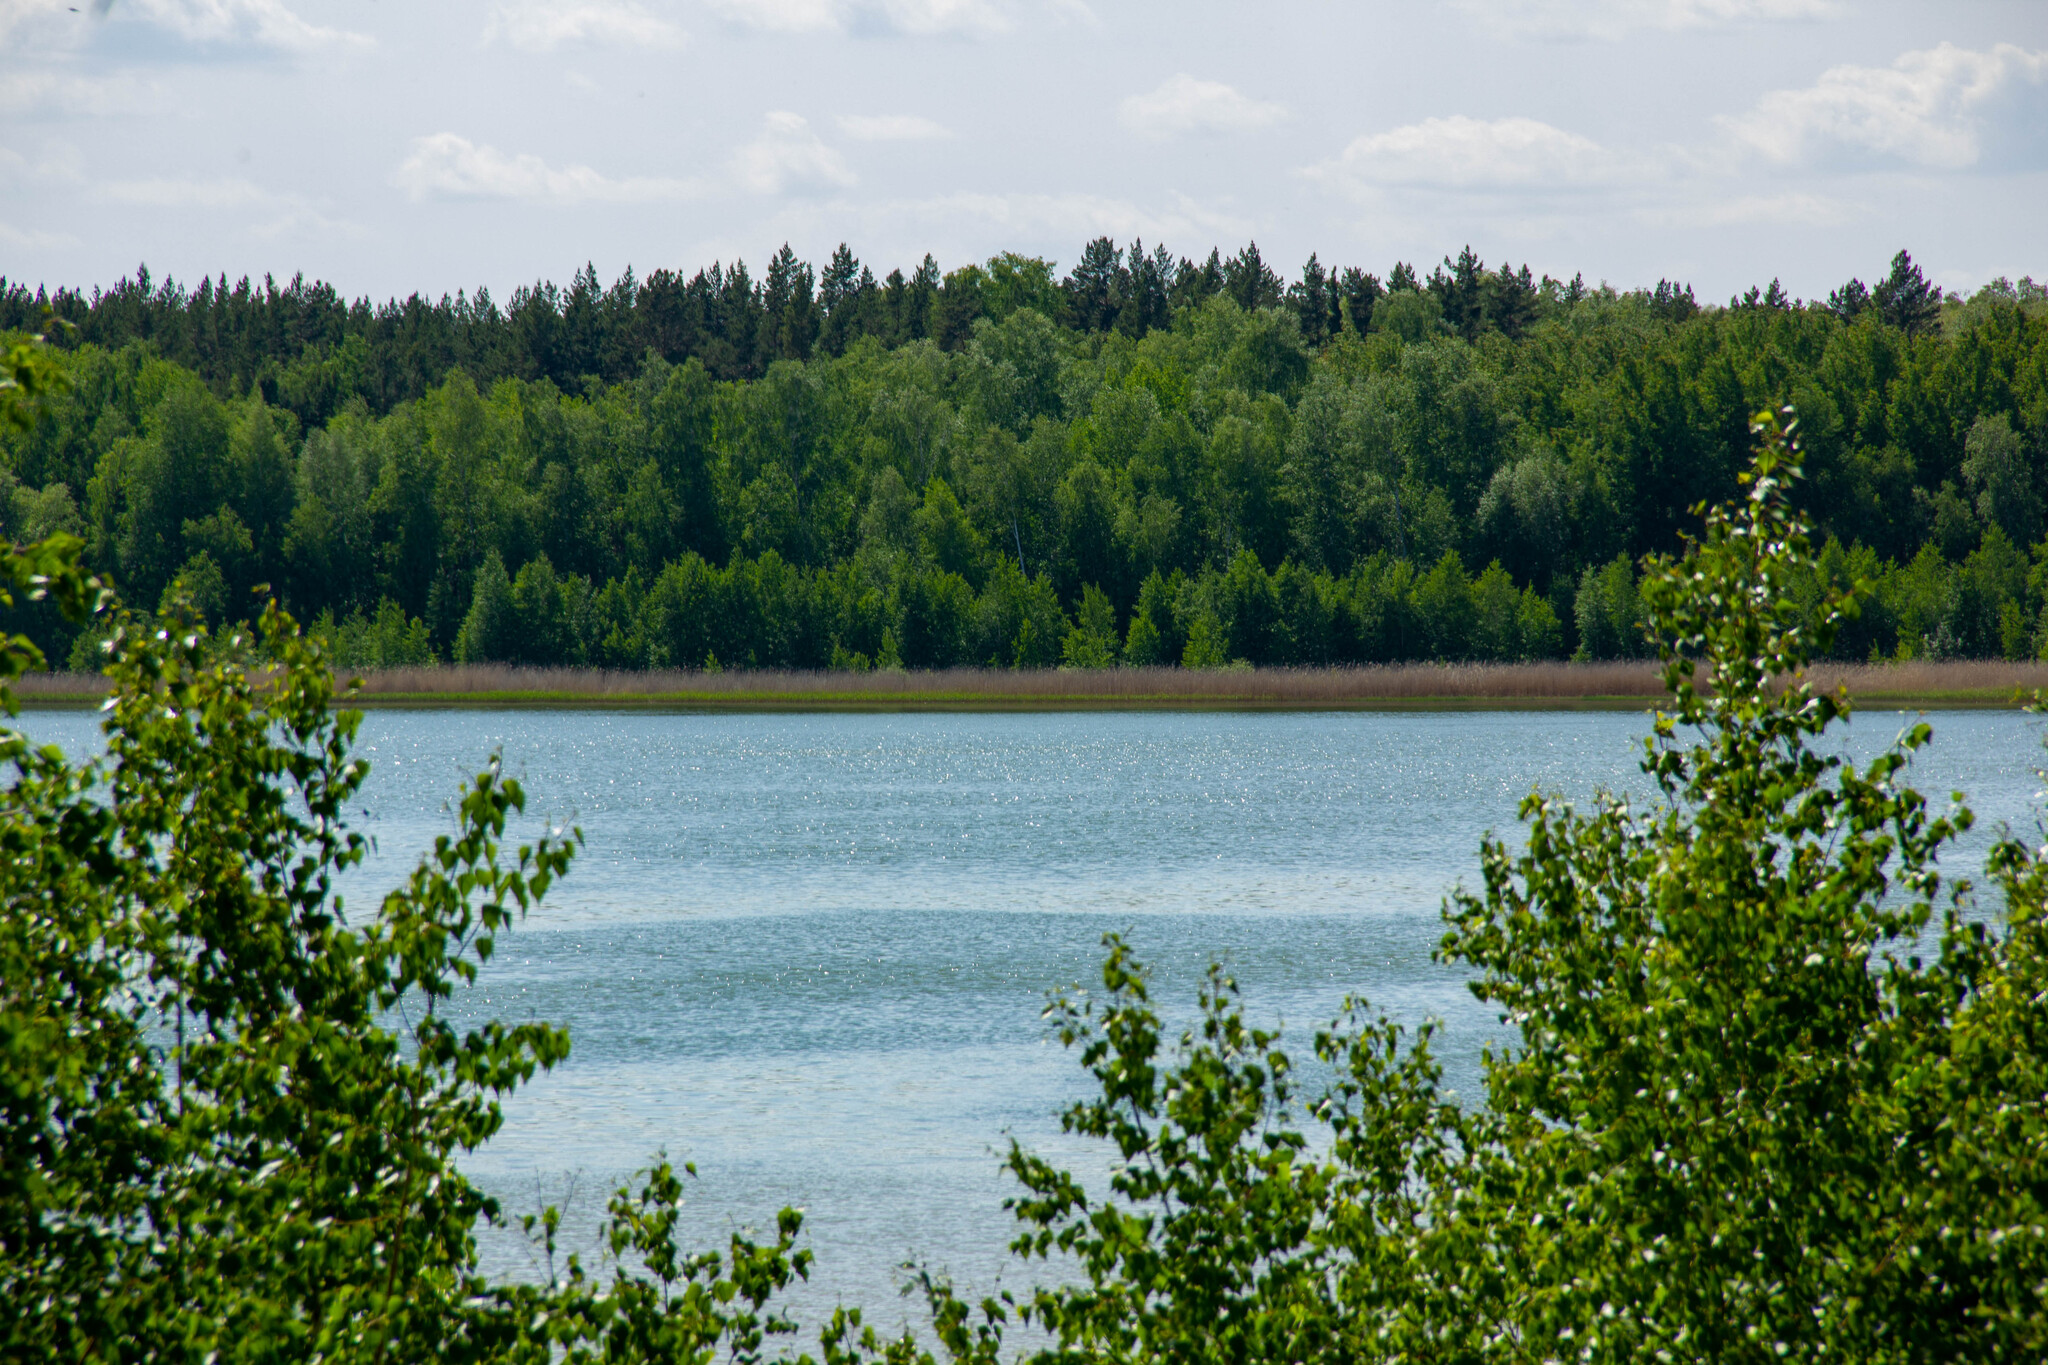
[[1972, 682], [1281, 686]]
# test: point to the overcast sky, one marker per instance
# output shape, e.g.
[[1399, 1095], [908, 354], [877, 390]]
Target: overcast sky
[[397, 147]]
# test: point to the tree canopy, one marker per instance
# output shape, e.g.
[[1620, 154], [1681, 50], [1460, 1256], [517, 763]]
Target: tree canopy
[[819, 469], [1775, 1088]]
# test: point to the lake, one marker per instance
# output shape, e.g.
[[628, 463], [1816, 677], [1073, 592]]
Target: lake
[[809, 953]]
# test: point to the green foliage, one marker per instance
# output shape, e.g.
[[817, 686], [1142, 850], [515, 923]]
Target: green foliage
[[231, 1110], [1709, 1141], [29, 374], [389, 639], [1410, 315], [1443, 599], [1154, 637], [1142, 415], [490, 632], [1092, 643], [1774, 1088], [1207, 646], [1610, 615]]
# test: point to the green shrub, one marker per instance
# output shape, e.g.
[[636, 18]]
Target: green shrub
[[1609, 614], [389, 639], [229, 1112], [1774, 1089], [1091, 643]]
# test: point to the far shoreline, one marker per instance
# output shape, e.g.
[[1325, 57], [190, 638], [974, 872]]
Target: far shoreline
[[1544, 686]]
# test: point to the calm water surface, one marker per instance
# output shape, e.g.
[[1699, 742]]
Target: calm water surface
[[809, 953]]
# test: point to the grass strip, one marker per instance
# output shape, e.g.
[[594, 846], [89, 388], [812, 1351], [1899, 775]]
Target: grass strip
[[1626, 685]]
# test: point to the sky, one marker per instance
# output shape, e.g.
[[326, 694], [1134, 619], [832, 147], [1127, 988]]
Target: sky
[[393, 148]]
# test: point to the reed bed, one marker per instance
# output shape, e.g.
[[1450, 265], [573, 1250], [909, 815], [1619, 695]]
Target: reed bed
[[1279, 686], [1545, 684], [1997, 680]]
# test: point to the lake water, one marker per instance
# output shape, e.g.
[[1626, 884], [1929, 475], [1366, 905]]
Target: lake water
[[809, 953]]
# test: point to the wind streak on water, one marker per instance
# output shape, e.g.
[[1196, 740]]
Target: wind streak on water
[[809, 952]]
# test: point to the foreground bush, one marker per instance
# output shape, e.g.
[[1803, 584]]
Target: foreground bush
[[229, 1107], [1775, 1091]]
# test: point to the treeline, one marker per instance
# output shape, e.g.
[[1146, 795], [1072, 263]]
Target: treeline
[[1774, 1087], [307, 349], [1149, 460], [766, 613]]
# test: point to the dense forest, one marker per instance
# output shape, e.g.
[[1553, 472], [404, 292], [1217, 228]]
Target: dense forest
[[1772, 1088], [1149, 459]]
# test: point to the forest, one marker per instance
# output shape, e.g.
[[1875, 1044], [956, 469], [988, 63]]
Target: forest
[[1773, 1081], [1149, 460], [1771, 1088]]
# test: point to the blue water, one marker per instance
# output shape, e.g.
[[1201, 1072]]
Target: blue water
[[809, 953]]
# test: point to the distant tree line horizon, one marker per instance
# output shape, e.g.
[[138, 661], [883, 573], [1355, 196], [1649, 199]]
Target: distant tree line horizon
[[1150, 459], [270, 337]]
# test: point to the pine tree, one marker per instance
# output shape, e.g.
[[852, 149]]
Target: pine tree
[[919, 298], [789, 311], [1359, 291], [1905, 299], [1096, 287], [1194, 285], [1250, 281], [1145, 304], [839, 299], [895, 305], [1310, 298], [1462, 291], [1673, 302], [1849, 300], [840, 277], [581, 342], [1513, 305], [737, 321]]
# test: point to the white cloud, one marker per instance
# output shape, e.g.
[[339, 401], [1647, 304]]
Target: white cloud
[[1183, 104], [891, 128], [46, 15], [57, 163], [788, 158], [1078, 217], [928, 17], [968, 225], [46, 92], [1612, 19], [780, 16], [163, 193], [299, 221], [1460, 153], [30, 239], [913, 18], [1785, 210], [260, 23], [538, 26], [265, 23], [274, 215], [1793, 209], [1941, 108], [447, 165]]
